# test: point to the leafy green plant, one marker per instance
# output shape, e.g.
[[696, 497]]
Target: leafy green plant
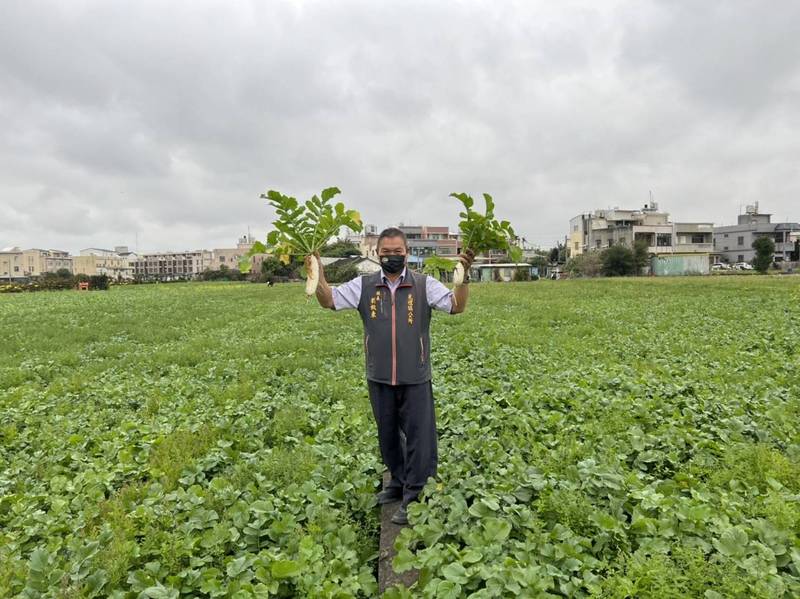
[[303, 229], [436, 266], [189, 445], [765, 253], [618, 261], [483, 232]]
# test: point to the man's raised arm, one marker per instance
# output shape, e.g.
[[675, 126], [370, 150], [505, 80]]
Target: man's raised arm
[[461, 292]]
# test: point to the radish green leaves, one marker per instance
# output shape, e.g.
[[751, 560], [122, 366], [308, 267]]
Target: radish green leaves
[[303, 229]]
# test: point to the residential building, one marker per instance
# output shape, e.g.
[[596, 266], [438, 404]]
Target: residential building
[[171, 266], [423, 240], [734, 243], [11, 265], [124, 252], [37, 261], [605, 228], [101, 261], [429, 240], [367, 241], [230, 257]]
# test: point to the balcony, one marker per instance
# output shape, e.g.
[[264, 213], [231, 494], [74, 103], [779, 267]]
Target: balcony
[[682, 248], [694, 248]]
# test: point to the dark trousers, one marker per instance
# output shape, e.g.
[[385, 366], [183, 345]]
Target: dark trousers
[[406, 434]]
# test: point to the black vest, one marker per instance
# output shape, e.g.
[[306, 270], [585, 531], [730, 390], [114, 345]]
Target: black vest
[[396, 330]]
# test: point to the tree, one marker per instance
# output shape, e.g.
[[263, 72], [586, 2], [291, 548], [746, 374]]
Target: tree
[[584, 265], [340, 272], [640, 255], [272, 267], [765, 252], [340, 249], [522, 274], [554, 255], [223, 274], [63, 273], [617, 261], [98, 282]]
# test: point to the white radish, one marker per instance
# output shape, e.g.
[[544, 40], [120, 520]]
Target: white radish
[[312, 274], [458, 274]]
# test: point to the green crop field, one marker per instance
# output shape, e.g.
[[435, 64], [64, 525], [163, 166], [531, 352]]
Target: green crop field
[[610, 438]]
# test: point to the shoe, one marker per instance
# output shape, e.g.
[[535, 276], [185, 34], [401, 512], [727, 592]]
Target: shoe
[[389, 496], [400, 516]]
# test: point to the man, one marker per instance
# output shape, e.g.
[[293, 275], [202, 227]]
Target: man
[[395, 305]]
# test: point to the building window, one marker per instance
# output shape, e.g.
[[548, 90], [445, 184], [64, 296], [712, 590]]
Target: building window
[[664, 239], [741, 258], [740, 240], [577, 244], [698, 239], [598, 243], [726, 235], [726, 248]]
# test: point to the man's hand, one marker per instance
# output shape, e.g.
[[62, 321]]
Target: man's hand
[[461, 292], [308, 262], [467, 257], [324, 293]]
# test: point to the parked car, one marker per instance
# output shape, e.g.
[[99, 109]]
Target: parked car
[[743, 266], [720, 266]]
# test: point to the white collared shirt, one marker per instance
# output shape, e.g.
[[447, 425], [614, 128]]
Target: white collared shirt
[[347, 295]]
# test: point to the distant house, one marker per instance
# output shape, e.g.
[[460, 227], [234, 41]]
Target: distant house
[[734, 243], [101, 261], [603, 229], [170, 266], [38, 261], [11, 265], [230, 257]]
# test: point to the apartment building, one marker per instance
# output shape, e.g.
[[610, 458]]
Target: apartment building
[[230, 257], [116, 263], [37, 261], [367, 241], [427, 240], [423, 240], [11, 265], [734, 243], [171, 266], [605, 228]]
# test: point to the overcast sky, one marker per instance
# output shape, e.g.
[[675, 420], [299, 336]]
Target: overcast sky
[[168, 119]]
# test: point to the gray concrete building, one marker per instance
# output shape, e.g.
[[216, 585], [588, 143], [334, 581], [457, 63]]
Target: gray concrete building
[[602, 229], [734, 243], [171, 266]]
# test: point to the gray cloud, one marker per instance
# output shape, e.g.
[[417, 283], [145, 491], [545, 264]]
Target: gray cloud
[[168, 120]]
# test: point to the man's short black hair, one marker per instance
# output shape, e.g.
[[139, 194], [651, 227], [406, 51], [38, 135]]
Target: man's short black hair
[[392, 232]]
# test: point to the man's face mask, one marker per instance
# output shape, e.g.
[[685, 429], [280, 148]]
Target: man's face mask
[[393, 264]]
